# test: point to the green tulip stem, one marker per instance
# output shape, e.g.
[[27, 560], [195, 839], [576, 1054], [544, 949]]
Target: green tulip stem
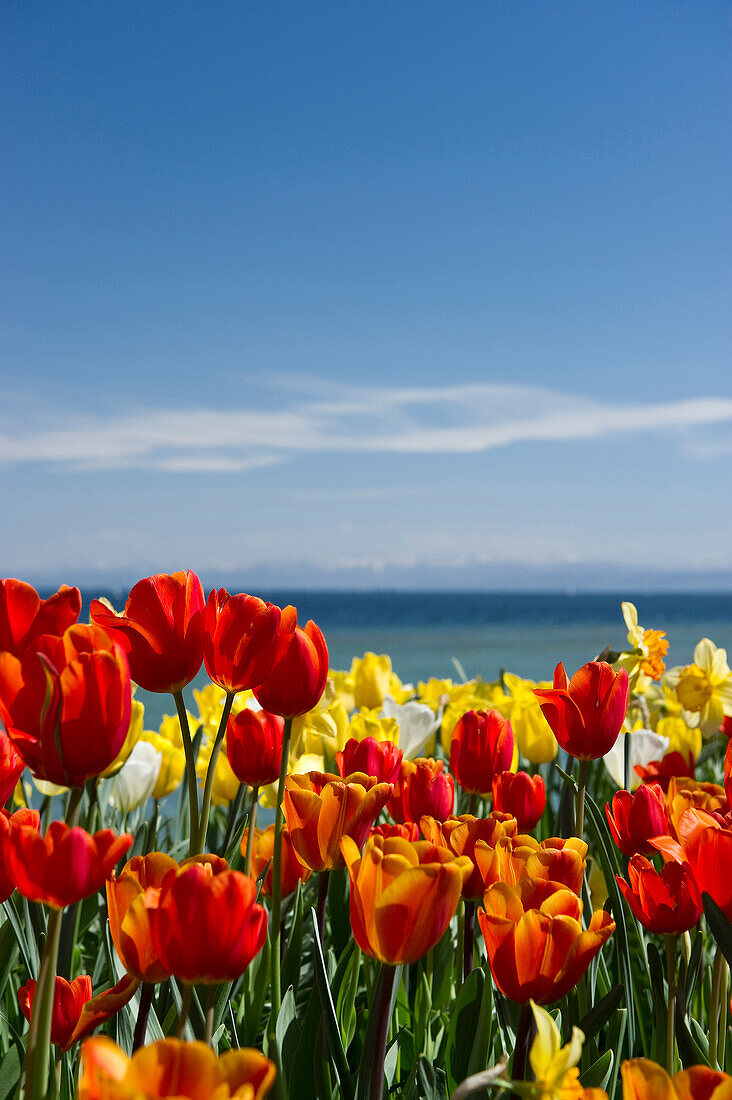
[[185, 1008], [211, 771], [277, 875], [714, 1007], [382, 1007], [38, 1052], [190, 771], [251, 826], [584, 766], [671, 1004]]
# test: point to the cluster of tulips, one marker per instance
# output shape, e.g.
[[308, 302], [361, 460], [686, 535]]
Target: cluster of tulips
[[417, 901]]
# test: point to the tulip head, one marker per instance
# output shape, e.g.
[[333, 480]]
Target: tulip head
[[11, 767], [514, 858], [25, 617], [131, 896], [667, 902], [296, 683], [69, 997], [481, 747], [586, 712], [29, 819], [634, 819], [321, 808], [242, 640], [64, 866], [254, 746], [521, 795], [427, 790], [381, 759], [460, 835]]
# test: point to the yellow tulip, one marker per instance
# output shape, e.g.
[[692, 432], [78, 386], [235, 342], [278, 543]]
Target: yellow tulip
[[371, 679]]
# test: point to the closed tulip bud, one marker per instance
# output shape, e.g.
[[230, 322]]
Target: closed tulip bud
[[172, 1068], [135, 781], [481, 747], [161, 629], [68, 1000], [67, 704], [586, 712], [667, 902], [298, 680], [25, 617], [321, 808], [521, 795], [403, 895], [293, 870], [242, 639], [207, 926], [460, 836], [254, 746], [29, 819], [427, 791], [381, 759], [131, 896], [634, 819], [64, 866], [537, 948]]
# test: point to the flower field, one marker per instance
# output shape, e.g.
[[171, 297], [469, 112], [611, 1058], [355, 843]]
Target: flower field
[[320, 883]]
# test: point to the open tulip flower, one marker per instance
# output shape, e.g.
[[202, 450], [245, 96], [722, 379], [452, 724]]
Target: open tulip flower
[[66, 704], [207, 926], [130, 897], [586, 712], [293, 869], [481, 747], [321, 808], [644, 1080], [689, 794], [459, 836], [68, 1001], [25, 617], [634, 819], [171, 1068], [514, 858], [403, 895], [65, 865], [23, 818], [297, 681], [244, 638], [521, 795], [160, 629], [668, 901], [706, 845], [537, 948]]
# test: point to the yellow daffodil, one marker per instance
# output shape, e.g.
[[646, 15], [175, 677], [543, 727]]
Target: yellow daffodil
[[344, 688], [704, 688], [644, 662], [169, 728], [435, 692], [172, 767], [368, 723], [681, 738], [554, 1065]]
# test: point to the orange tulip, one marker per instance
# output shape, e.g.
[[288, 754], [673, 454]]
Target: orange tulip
[[460, 835], [320, 808], [519, 857], [66, 865], [586, 712], [706, 845], [29, 819], [644, 1080], [66, 704], [688, 794], [172, 1068], [242, 640], [68, 1000], [403, 895], [293, 871], [297, 681], [25, 617], [207, 926], [536, 946], [160, 629], [130, 897]]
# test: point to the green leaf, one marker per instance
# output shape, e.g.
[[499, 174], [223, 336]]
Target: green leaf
[[719, 926], [287, 1031], [293, 955], [10, 1067], [598, 1016], [463, 1027], [347, 991], [599, 1072], [691, 1051], [484, 1030], [330, 1020]]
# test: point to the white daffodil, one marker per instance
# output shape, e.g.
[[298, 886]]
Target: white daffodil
[[704, 688], [417, 723], [645, 745], [135, 781]]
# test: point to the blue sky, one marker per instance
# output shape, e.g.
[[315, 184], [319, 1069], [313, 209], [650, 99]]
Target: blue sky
[[333, 290]]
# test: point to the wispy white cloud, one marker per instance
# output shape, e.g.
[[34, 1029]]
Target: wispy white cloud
[[457, 419]]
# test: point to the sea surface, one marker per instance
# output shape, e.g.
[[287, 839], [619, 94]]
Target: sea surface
[[425, 633]]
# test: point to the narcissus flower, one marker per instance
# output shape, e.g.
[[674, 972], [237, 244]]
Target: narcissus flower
[[66, 704], [521, 795], [381, 759], [64, 866], [298, 680], [481, 747], [207, 926], [172, 1068], [416, 723], [704, 688], [403, 895], [24, 818], [244, 638], [161, 629], [135, 781], [512, 858], [293, 870], [460, 836], [254, 746], [645, 1080], [536, 946], [634, 819], [556, 1076], [586, 712], [130, 897], [649, 647], [668, 901], [69, 997], [321, 808], [25, 617]]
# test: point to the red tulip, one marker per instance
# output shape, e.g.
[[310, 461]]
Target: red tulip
[[67, 705], [254, 746], [521, 795], [407, 831], [68, 1000], [208, 926], [668, 902], [25, 617], [66, 864], [244, 638], [586, 712], [634, 819], [29, 819], [11, 767], [381, 759], [161, 629], [673, 765], [707, 846], [427, 791], [728, 773], [297, 681], [481, 747]]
